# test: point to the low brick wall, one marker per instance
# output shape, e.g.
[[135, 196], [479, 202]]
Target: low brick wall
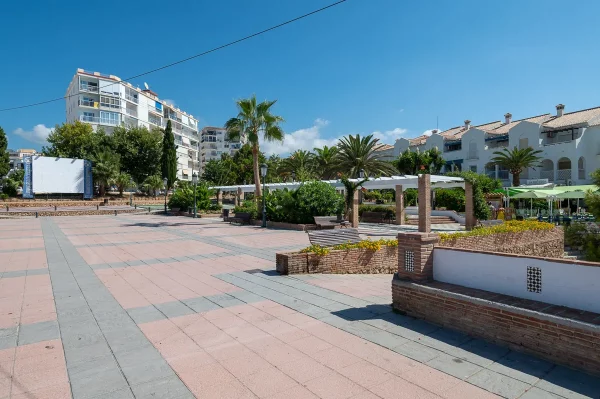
[[70, 213], [547, 331], [546, 243], [24, 203], [285, 226], [345, 261]]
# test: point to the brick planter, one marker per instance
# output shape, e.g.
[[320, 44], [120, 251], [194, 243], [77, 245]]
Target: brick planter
[[546, 243], [286, 226], [345, 261]]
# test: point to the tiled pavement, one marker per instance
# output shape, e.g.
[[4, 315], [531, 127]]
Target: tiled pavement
[[154, 307]]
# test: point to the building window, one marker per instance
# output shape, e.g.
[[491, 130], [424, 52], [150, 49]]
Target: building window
[[88, 86], [109, 118], [88, 117], [473, 168], [110, 102]]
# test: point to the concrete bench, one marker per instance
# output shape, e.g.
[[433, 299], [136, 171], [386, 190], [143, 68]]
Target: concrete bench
[[328, 222], [240, 218], [329, 238], [374, 217]]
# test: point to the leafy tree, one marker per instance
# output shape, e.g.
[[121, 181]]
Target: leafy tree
[[4, 158], [183, 196], [168, 160], [152, 184], [415, 162], [12, 182], [253, 119], [274, 173], [516, 160], [77, 140], [326, 160], [122, 181], [221, 172], [140, 150], [482, 184], [105, 169], [300, 163], [356, 154], [244, 161]]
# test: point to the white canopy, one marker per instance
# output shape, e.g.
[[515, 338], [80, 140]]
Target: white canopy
[[407, 181]]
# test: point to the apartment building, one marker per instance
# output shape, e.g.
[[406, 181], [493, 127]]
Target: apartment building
[[570, 145], [214, 142], [104, 101], [16, 157]]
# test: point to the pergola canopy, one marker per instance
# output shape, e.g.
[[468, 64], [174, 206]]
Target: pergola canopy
[[407, 181]]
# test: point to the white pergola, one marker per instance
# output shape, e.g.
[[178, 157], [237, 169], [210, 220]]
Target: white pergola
[[374, 183]]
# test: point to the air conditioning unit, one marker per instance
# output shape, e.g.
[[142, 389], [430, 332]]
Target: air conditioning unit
[[569, 182]]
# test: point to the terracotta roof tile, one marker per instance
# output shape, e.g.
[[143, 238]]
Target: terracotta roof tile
[[587, 116], [504, 128]]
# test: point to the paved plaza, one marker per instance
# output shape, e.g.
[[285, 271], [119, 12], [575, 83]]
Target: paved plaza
[[147, 306]]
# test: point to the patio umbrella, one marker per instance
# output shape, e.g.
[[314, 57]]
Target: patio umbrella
[[578, 194], [531, 195]]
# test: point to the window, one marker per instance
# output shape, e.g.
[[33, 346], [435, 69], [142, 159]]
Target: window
[[109, 118], [473, 168], [131, 95], [88, 86], [88, 117], [87, 101], [110, 102]]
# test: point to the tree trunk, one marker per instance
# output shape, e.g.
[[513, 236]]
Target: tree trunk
[[101, 190], [257, 189], [516, 179]]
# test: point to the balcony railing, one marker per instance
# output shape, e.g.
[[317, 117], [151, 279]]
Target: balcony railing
[[155, 121], [155, 110], [547, 174], [88, 88], [174, 118], [95, 119], [556, 140], [563, 174], [131, 112], [131, 98], [86, 103]]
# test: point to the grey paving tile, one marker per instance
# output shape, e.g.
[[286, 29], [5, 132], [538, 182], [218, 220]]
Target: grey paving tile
[[145, 314], [75, 341], [37, 332], [14, 273], [224, 300], [174, 309], [570, 383], [96, 365], [522, 367], [119, 341], [384, 338], [481, 352], [536, 393], [416, 351], [94, 384], [124, 393], [74, 356], [499, 384], [200, 304], [247, 297], [454, 366], [5, 332], [147, 371], [163, 388], [8, 341]]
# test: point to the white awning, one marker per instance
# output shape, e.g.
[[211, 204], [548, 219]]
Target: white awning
[[407, 181]]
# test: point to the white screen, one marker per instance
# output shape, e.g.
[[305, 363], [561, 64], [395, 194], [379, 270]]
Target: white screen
[[57, 175]]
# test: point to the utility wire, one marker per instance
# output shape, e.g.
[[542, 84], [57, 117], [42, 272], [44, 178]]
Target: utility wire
[[188, 58]]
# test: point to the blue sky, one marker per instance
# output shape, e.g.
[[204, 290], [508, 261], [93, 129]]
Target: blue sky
[[387, 66]]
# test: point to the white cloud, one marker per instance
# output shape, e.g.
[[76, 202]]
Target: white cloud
[[428, 132], [309, 138], [39, 134]]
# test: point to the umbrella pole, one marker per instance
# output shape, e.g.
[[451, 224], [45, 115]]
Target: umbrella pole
[[531, 209]]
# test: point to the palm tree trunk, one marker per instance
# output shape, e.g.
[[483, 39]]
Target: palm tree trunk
[[516, 179], [257, 188]]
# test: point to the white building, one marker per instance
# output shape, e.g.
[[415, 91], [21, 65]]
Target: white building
[[105, 101], [16, 157], [214, 142], [570, 145]]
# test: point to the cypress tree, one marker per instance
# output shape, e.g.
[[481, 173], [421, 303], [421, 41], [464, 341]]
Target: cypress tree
[[169, 157], [4, 159]]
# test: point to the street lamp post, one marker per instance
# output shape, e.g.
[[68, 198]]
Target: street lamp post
[[195, 181], [361, 173], [263, 173], [165, 182]]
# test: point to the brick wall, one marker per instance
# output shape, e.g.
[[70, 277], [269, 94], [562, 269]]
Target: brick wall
[[550, 334], [545, 243], [24, 203], [351, 261]]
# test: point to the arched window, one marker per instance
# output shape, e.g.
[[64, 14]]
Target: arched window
[[547, 171], [563, 173]]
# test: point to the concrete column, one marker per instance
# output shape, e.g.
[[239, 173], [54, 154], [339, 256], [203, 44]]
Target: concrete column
[[219, 197], [470, 220], [240, 196], [497, 170], [399, 205], [354, 214], [415, 255], [424, 196]]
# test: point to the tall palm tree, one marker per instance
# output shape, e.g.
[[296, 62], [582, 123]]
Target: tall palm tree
[[326, 161], [358, 153], [105, 168], [516, 160], [300, 163], [252, 120]]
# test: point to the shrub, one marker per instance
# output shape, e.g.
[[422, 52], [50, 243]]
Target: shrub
[[452, 199], [183, 197], [248, 206], [575, 235], [365, 244], [512, 226], [3, 196], [410, 197], [9, 187], [388, 210]]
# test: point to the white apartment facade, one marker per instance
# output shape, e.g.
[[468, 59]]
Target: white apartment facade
[[570, 145], [215, 142], [16, 157], [104, 101]]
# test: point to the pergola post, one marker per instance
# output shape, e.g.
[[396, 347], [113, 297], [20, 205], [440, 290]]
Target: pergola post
[[240, 195], [470, 220], [219, 197], [424, 196], [399, 205], [355, 209]]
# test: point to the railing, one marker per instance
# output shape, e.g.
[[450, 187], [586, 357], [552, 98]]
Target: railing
[[547, 174], [156, 110], [131, 98], [155, 121], [95, 119], [107, 121], [563, 174], [88, 88], [498, 144], [556, 140], [174, 118], [87, 103], [131, 112]]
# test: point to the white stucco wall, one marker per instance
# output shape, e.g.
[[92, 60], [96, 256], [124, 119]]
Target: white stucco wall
[[563, 284]]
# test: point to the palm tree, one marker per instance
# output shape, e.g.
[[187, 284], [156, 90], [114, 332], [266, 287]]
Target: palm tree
[[123, 181], [356, 154], [253, 119], [153, 184], [300, 163], [105, 169], [326, 161], [516, 160]]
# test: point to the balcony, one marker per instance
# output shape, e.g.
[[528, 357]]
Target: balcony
[[563, 175], [88, 88], [87, 103], [547, 174], [98, 120], [155, 110], [131, 112], [174, 118], [154, 120], [131, 98]]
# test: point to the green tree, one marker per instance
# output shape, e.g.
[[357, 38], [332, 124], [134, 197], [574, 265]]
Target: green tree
[[300, 163], [252, 120], [482, 184], [358, 153], [4, 158], [152, 184], [12, 182], [516, 160], [326, 160], [168, 160], [274, 174], [244, 161], [415, 162], [140, 150], [122, 181], [105, 169], [221, 172], [77, 140]]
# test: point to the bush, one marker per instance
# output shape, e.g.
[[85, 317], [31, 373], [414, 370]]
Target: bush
[[365, 244], [9, 188], [3, 196], [575, 235], [410, 197], [183, 197], [452, 199], [512, 226], [388, 210], [248, 206]]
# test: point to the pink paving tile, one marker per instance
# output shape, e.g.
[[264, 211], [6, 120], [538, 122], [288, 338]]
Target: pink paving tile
[[294, 393], [296, 319], [365, 374], [366, 395], [22, 243], [396, 387], [267, 382], [304, 369], [391, 361], [52, 358], [248, 334], [7, 355], [271, 240], [229, 322], [431, 379], [59, 391], [212, 339], [229, 390], [333, 386], [36, 379], [335, 358], [465, 390], [310, 345], [278, 353], [5, 385], [39, 348], [176, 345], [191, 362], [245, 364], [206, 376], [228, 350]]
